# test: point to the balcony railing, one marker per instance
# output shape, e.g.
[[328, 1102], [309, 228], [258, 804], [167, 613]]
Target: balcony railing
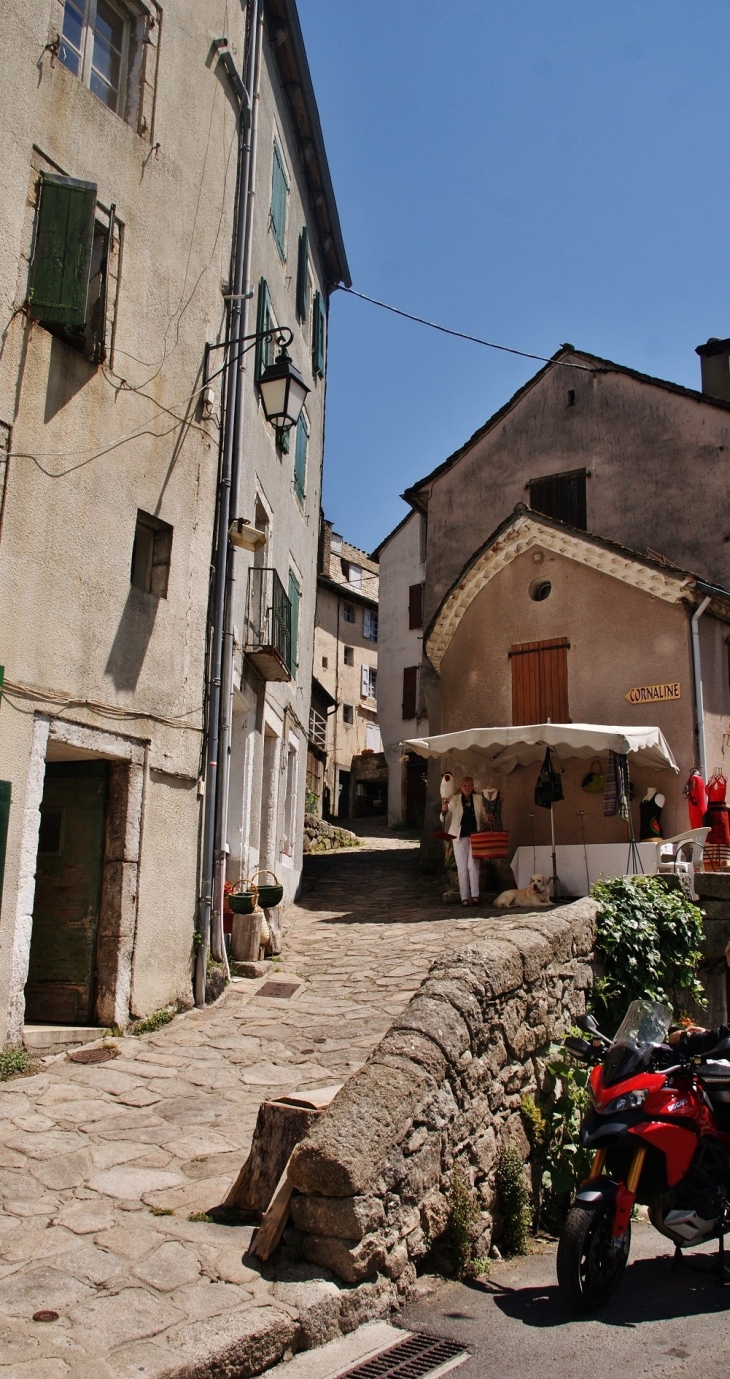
[[267, 635], [318, 729]]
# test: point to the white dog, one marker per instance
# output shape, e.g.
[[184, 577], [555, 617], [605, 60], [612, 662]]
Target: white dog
[[537, 893]]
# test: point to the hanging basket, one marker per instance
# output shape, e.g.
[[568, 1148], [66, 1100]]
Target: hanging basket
[[489, 847]]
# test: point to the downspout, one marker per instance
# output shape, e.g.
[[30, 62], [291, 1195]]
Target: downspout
[[227, 688], [699, 703], [221, 539]]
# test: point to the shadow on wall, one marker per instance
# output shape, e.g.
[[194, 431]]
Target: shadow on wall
[[129, 647], [68, 372]]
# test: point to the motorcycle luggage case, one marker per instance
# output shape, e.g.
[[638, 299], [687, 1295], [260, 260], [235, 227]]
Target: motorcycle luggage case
[[715, 1078]]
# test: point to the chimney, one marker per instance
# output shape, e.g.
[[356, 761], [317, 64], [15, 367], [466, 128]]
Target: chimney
[[325, 546], [715, 362]]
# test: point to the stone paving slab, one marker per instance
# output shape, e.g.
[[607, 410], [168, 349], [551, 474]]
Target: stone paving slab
[[102, 1166]]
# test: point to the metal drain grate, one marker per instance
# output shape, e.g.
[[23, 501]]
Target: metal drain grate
[[98, 1055], [413, 1358], [281, 989]]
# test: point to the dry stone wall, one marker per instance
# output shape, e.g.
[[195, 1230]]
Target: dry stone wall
[[443, 1088]]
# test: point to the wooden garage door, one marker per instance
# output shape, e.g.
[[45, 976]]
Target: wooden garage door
[[540, 681]]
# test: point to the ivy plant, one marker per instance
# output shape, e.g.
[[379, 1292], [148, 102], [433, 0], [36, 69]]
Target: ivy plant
[[553, 1128], [648, 939]]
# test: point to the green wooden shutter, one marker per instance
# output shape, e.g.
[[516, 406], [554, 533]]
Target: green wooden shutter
[[5, 793], [59, 282], [300, 458], [302, 274], [318, 330], [279, 193], [295, 595], [263, 322]]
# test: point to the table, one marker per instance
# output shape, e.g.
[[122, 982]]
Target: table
[[604, 859]]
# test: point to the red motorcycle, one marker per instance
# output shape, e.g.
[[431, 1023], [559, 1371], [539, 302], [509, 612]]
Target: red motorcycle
[[659, 1125]]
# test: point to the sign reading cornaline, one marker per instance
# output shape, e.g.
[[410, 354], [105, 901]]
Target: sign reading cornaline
[[654, 694]]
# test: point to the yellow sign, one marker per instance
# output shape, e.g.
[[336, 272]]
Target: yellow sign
[[653, 694]]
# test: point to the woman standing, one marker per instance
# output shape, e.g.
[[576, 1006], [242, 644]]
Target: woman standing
[[464, 815]]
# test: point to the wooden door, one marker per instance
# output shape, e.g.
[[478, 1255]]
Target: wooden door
[[60, 985]]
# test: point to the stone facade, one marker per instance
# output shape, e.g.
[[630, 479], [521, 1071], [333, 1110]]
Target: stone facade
[[443, 1088]]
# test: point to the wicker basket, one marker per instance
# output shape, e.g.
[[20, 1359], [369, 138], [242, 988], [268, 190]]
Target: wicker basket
[[251, 896]]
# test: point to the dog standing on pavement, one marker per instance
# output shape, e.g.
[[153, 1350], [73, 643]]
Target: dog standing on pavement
[[537, 893]]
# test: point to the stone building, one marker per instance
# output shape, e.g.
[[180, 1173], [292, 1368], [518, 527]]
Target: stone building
[[120, 128], [346, 664], [626, 478], [401, 707]]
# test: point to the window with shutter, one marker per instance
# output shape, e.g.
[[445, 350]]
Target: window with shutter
[[295, 595], [264, 321], [540, 681], [410, 691], [279, 194], [562, 496], [300, 457], [370, 625], [415, 605], [59, 280], [318, 335], [303, 275]]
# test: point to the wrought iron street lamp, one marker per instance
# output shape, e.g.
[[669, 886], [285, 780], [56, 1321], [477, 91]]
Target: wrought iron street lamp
[[282, 389]]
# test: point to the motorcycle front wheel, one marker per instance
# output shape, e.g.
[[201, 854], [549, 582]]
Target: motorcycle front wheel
[[591, 1261]]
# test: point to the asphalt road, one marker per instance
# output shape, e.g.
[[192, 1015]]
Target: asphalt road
[[514, 1325]]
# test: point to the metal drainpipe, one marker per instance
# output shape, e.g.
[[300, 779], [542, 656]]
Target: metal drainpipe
[[222, 523], [699, 703], [224, 751]]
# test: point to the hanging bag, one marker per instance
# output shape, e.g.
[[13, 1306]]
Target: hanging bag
[[594, 782], [549, 787]]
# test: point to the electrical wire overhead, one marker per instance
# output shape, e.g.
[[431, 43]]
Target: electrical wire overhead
[[460, 334]]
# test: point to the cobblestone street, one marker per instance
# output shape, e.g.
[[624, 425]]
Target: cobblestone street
[[102, 1166]]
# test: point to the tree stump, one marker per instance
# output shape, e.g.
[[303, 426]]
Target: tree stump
[[279, 1127], [246, 937], [274, 921]]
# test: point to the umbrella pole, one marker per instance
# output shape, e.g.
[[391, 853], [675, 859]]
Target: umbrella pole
[[556, 883]]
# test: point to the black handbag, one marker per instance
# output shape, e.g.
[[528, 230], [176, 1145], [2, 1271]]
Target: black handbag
[[549, 787]]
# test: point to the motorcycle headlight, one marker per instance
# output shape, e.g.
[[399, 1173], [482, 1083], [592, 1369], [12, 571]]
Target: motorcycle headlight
[[628, 1102]]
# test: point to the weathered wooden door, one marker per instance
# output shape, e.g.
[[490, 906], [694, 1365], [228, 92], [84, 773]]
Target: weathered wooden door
[[60, 985]]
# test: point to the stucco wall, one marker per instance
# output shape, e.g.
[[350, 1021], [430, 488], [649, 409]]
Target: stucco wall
[[639, 443], [401, 566], [619, 637], [332, 634]]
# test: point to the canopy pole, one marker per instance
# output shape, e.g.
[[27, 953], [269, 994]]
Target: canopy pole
[[556, 883]]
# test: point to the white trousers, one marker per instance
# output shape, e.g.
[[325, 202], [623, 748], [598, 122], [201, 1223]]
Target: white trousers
[[467, 868]]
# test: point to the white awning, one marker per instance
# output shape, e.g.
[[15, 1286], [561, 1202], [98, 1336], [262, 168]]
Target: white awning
[[505, 748]]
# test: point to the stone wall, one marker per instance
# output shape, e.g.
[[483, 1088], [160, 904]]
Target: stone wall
[[443, 1088]]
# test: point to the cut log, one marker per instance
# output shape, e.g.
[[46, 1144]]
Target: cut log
[[280, 1126], [246, 937], [274, 920]]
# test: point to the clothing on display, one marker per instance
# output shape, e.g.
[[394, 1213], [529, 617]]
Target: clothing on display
[[650, 815], [717, 817], [696, 792], [493, 809], [617, 793], [549, 787]]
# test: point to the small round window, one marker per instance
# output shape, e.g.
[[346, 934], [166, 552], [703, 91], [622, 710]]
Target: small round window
[[540, 590]]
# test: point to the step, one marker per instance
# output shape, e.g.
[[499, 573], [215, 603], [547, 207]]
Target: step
[[43, 1039]]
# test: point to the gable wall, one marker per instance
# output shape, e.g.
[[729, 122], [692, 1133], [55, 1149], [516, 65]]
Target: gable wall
[[658, 463]]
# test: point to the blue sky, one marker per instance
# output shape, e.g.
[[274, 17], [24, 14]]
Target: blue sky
[[532, 173]]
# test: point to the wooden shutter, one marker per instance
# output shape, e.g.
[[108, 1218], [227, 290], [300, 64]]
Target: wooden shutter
[[59, 283], [410, 691], [365, 681], [263, 322], [540, 681], [415, 605], [300, 458], [279, 193], [562, 496], [5, 793], [295, 595], [302, 274], [318, 333]]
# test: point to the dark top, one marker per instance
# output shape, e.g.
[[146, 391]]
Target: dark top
[[468, 817], [704, 1043]]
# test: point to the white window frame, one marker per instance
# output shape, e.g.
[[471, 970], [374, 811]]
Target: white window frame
[[87, 49], [368, 617]]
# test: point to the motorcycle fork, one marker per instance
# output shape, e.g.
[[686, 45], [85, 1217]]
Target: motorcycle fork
[[626, 1194]]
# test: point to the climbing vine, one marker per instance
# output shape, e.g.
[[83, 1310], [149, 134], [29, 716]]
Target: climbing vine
[[648, 939], [553, 1127]]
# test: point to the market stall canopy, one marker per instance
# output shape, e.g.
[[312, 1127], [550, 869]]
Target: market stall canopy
[[505, 748]]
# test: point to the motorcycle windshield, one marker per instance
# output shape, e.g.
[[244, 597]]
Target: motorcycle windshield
[[644, 1027]]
